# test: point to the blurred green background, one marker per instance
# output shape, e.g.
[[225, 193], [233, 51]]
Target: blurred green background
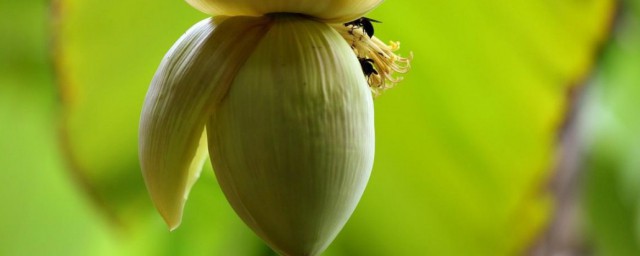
[[515, 114]]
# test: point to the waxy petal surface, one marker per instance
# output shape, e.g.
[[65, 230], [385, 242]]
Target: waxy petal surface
[[192, 78], [326, 10], [292, 144]]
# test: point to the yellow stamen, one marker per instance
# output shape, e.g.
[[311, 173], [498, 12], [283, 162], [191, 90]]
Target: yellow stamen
[[385, 61]]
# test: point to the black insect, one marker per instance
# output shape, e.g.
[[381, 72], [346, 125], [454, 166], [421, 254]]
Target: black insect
[[364, 23], [367, 66]]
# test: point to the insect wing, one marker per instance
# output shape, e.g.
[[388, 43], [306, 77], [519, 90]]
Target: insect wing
[[372, 20], [368, 28]]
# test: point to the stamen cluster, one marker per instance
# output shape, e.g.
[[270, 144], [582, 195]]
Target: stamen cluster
[[372, 51]]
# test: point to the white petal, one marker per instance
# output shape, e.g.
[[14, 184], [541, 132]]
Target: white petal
[[326, 10], [191, 80]]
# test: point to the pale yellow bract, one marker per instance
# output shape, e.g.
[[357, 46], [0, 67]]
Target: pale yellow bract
[[335, 11], [279, 99]]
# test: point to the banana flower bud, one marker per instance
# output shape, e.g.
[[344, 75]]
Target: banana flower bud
[[274, 93]]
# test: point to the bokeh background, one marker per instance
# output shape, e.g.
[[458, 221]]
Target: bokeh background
[[517, 132]]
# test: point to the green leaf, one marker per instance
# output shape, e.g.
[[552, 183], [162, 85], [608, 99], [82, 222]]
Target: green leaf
[[612, 124], [107, 54], [464, 144], [42, 212]]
